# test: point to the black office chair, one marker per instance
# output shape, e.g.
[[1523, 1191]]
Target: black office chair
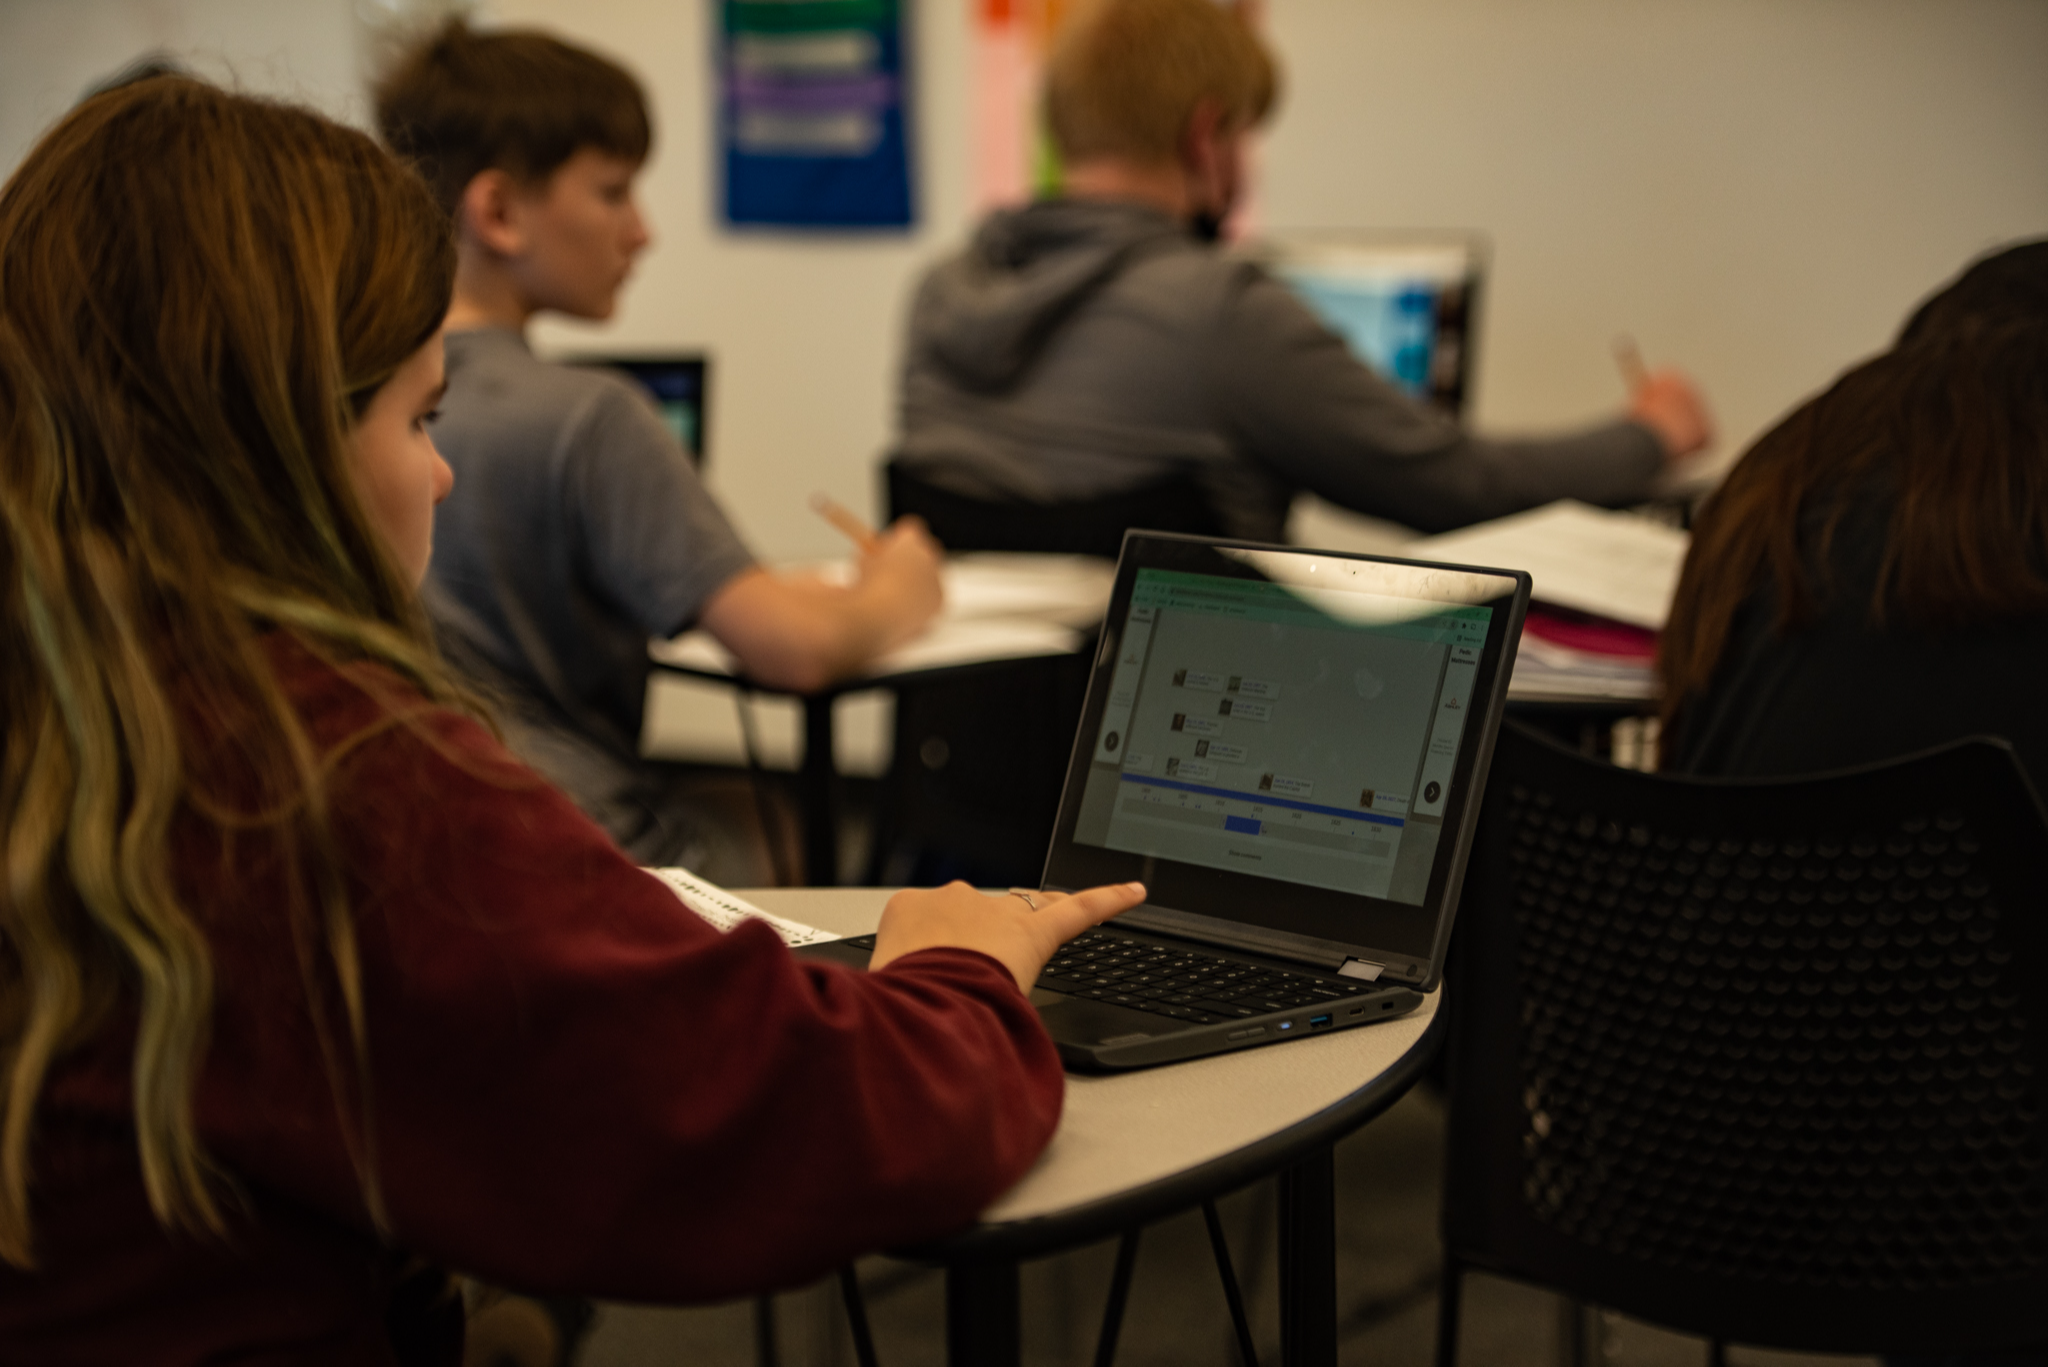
[[975, 773], [980, 757], [1083, 527], [1757, 1060]]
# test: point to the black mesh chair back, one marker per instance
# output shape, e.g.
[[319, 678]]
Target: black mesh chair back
[[1757, 1060], [1085, 527]]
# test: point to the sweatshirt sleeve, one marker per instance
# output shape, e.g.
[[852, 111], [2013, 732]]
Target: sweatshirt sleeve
[[576, 1083], [1294, 398]]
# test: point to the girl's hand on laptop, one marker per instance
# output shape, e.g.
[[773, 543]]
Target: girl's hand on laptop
[[1007, 928]]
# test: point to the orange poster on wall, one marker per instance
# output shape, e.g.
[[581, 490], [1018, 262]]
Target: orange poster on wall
[[1013, 160]]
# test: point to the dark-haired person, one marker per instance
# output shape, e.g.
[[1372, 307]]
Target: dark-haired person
[[582, 529], [1872, 578], [307, 979], [2010, 285], [1096, 343]]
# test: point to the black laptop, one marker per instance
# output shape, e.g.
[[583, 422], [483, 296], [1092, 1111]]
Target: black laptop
[[1287, 747]]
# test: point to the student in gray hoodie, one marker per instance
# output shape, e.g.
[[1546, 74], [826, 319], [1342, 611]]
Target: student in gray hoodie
[[1095, 343]]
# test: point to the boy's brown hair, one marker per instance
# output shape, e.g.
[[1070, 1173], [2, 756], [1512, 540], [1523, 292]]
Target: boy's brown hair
[[516, 100], [1125, 76]]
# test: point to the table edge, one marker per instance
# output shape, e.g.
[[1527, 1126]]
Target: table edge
[[1104, 1216]]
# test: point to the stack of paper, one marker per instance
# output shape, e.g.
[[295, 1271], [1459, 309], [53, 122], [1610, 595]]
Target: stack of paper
[[1547, 671], [1595, 564]]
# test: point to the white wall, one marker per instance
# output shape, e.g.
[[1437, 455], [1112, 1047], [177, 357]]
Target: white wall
[[53, 51], [1757, 189]]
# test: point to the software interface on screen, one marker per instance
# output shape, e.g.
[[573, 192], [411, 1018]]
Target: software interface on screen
[[1302, 734], [1401, 312]]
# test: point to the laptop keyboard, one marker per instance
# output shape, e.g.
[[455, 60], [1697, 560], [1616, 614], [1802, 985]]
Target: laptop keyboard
[[1184, 984]]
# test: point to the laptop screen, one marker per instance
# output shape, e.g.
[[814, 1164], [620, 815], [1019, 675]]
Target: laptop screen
[[1404, 304], [1287, 737], [679, 386]]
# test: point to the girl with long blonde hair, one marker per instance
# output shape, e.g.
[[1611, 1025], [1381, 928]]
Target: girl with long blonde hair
[[302, 977]]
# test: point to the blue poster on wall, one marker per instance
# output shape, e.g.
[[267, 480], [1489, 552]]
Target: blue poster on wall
[[812, 112]]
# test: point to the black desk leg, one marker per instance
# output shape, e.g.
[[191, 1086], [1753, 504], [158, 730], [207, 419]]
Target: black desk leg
[[983, 1328], [1308, 1262], [817, 794]]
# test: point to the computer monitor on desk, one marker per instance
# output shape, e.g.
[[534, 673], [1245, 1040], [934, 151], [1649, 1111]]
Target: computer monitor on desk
[[1406, 303], [680, 386]]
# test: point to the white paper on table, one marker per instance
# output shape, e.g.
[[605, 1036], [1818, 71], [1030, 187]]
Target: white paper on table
[[975, 641], [1070, 589], [972, 641], [1613, 565], [698, 650], [998, 606], [725, 911]]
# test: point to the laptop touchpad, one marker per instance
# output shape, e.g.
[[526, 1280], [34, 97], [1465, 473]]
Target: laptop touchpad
[[1077, 1018]]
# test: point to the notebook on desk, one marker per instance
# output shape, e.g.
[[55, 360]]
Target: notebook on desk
[[1287, 747]]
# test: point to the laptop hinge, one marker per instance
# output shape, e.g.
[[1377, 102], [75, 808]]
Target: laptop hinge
[[1361, 968]]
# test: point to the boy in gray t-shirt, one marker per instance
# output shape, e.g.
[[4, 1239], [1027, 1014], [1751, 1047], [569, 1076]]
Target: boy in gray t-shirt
[[578, 527]]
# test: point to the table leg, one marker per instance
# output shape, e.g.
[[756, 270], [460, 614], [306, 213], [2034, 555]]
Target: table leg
[[817, 784], [983, 1327], [1308, 1262]]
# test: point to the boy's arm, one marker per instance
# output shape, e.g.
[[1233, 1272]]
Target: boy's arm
[[1289, 392], [798, 633], [661, 548]]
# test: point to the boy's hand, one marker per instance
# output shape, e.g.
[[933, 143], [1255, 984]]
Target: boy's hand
[[1669, 405], [900, 568], [1006, 927]]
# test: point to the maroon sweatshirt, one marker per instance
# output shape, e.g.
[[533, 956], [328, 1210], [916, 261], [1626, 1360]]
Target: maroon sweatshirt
[[574, 1083]]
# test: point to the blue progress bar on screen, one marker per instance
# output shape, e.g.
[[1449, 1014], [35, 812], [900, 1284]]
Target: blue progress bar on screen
[[1265, 799]]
